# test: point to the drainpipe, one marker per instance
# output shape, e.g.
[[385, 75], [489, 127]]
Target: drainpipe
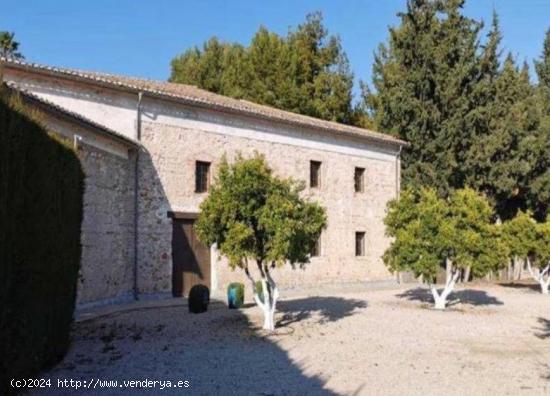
[[136, 195], [397, 191]]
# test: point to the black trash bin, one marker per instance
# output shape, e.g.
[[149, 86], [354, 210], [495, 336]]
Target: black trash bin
[[199, 297]]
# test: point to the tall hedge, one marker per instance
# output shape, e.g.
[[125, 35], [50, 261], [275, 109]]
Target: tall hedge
[[41, 188]]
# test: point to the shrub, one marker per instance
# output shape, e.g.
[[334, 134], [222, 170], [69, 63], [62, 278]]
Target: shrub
[[41, 188]]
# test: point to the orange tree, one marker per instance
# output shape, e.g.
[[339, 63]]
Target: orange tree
[[254, 217]]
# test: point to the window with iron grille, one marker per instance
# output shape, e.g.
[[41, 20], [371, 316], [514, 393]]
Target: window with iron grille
[[314, 174], [316, 251], [359, 179], [202, 176], [359, 243]]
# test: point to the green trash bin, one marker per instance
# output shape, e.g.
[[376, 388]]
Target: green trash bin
[[235, 295]]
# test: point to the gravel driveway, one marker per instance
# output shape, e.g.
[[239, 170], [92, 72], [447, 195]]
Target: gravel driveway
[[496, 341]]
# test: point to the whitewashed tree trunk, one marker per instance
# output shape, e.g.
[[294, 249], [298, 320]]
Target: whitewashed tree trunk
[[541, 275], [270, 294], [440, 300], [448, 269]]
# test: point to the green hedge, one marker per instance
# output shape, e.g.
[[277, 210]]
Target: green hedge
[[41, 188]]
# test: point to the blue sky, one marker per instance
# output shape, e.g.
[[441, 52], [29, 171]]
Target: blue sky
[[139, 38]]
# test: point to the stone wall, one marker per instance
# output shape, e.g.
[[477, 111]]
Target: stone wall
[[174, 136], [106, 268], [167, 180], [107, 228]]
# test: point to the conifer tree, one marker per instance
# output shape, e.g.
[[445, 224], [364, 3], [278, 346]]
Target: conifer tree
[[542, 66], [305, 71], [536, 148], [218, 67], [470, 120], [496, 160], [425, 83]]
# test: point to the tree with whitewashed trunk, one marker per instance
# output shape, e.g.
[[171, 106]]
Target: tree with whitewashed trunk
[[542, 256], [430, 233], [529, 244], [254, 217], [520, 234]]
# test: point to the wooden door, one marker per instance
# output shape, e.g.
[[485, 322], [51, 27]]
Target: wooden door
[[190, 258]]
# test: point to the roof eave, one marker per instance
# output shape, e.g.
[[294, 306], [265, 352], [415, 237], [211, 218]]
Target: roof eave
[[50, 71]]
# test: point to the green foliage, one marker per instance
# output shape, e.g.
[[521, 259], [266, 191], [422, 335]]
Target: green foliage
[[474, 240], [496, 162], [305, 71], [424, 83], [520, 234], [542, 66], [250, 214], [527, 239], [41, 187], [542, 251], [8, 46], [428, 230], [415, 222], [470, 120], [536, 148]]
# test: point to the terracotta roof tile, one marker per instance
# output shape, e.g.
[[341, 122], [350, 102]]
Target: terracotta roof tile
[[195, 96]]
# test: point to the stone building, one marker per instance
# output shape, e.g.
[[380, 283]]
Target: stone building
[[149, 151]]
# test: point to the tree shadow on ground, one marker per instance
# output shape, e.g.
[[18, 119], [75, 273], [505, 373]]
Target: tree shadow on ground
[[531, 286], [468, 296], [328, 309], [220, 351], [544, 329]]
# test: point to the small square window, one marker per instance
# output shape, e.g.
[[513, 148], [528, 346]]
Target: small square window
[[316, 251], [359, 243], [359, 179], [314, 174], [202, 176]]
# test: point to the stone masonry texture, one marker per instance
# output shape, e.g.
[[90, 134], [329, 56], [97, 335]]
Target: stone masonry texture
[[173, 137]]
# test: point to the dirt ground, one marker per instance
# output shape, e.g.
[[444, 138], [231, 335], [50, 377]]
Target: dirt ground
[[494, 341]]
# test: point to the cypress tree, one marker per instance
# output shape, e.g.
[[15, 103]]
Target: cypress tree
[[218, 67], [543, 65], [470, 120], [536, 148], [497, 161], [425, 83]]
